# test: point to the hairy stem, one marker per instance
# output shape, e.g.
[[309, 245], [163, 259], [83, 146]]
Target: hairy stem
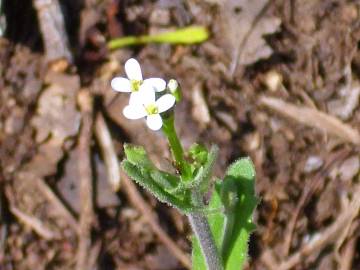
[[201, 228]]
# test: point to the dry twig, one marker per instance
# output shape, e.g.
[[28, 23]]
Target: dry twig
[[34, 223], [348, 255], [55, 201], [85, 175], [139, 203], [329, 235], [313, 118], [308, 191], [103, 136]]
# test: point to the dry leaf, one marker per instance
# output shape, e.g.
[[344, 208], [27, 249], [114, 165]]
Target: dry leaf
[[57, 120], [57, 115], [244, 24]]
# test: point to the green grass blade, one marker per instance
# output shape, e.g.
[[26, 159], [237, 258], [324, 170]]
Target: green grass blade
[[187, 35]]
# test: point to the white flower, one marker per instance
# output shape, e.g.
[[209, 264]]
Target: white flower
[[150, 108], [135, 83]]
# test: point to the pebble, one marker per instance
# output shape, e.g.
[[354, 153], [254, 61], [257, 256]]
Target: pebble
[[313, 163]]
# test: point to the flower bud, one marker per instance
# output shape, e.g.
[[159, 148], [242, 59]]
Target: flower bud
[[174, 88]]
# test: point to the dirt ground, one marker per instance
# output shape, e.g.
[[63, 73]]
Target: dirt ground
[[277, 81]]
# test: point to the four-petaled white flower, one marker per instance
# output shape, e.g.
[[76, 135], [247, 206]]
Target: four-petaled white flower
[[135, 83], [147, 106]]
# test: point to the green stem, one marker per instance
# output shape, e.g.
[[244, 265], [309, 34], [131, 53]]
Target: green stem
[[198, 221], [176, 147]]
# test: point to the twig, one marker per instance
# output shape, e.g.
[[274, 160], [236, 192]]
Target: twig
[[103, 136], [313, 118], [52, 27], [59, 206], [329, 235], [140, 204], [94, 255], [348, 255], [34, 223], [85, 175], [308, 191]]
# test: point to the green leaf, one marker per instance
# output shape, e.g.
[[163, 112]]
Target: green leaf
[[137, 156], [198, 153], [239, 210], [201, 180], [143, 177], [166, 180], [232, 226], [186, 35]]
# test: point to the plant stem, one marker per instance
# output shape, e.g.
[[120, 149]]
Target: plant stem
[[201, 228], [176, 147], [198, 221]]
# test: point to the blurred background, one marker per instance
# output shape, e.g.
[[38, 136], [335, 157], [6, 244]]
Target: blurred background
[[276, 80]]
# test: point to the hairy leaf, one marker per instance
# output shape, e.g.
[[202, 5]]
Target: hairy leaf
[[144, 178], [232, 226], [198, 153], [239, 210], [137, 155], [201, 180]]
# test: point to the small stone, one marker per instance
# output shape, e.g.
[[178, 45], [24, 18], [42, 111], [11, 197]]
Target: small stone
[[160, 17], [228, 120], [312, 164], [273, 80]]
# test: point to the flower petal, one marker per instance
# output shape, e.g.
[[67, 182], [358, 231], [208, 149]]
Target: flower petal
[[154, 121], [133, 69], [146, 94], [121, 84], [135, 98], [157, 83], [134, 111], [165, 102]]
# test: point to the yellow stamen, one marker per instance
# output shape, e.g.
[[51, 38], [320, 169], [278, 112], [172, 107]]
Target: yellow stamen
[[135, 85], [151, 109]]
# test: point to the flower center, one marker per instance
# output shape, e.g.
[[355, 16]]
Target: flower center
[[151, 109], [135, 85]]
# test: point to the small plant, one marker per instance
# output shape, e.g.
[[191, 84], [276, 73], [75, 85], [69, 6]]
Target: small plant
[[221, 227]]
